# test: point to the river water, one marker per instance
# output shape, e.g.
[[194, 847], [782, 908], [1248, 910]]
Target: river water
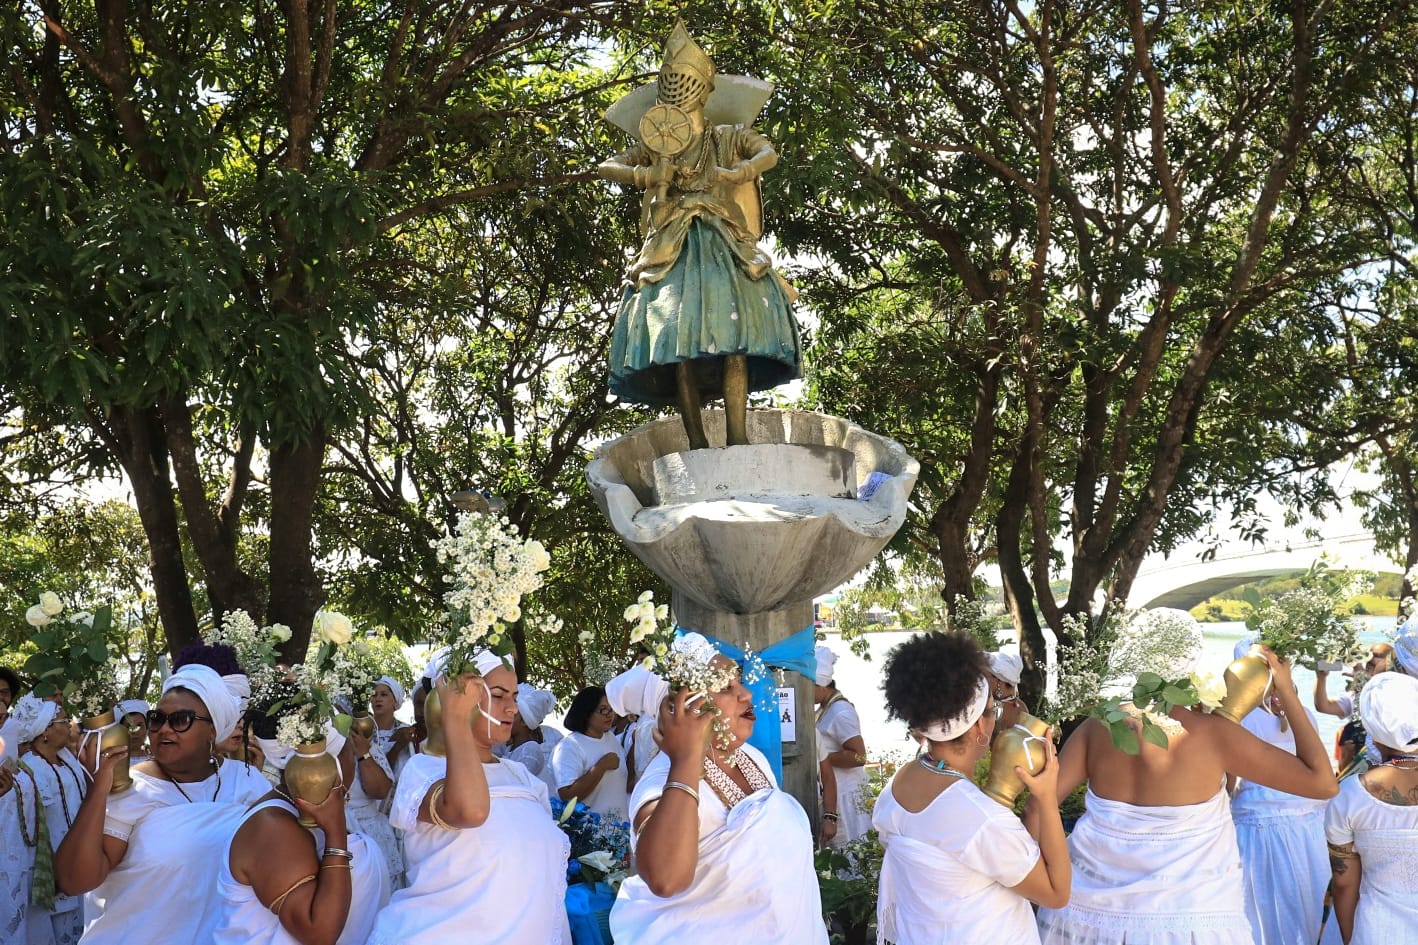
[[860, 679]]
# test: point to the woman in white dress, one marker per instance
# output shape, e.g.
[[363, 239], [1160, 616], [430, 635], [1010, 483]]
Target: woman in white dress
[[840, 747], [484, 857], [637, 693], [393, 737], [531, 745], [164, 833], [588, 763], [721, 851], [61, 784], [958, 866], [281, 884], [1155, 857], [1372, 826], [1281, 837], [370, 781]]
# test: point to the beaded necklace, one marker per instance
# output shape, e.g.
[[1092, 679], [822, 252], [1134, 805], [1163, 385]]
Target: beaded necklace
[[1392, 761], [939, 766], [30, 838], [63, 794], [175, 783], [728, 790]]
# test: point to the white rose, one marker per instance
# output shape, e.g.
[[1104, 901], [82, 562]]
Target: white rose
[[537, 556], [1210, 688], [50, 603], [585, 636], [280, 632], [333, 627], [37, 617]]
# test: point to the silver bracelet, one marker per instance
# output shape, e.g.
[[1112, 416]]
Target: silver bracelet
[[337, 851], [681, 786]]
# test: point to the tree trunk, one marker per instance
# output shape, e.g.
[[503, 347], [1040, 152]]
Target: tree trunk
[[136, 438], [296, 590]]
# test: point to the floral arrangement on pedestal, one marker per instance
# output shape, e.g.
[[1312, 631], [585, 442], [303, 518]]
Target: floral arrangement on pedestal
[[491, 570], [600, 846]]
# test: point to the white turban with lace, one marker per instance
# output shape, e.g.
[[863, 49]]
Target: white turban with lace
[[31, 716], [534, 704], [1006, 666]]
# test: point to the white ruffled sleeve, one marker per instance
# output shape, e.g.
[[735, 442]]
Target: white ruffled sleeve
[[418, 777]]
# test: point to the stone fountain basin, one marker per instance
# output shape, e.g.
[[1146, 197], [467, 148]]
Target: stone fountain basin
[[750, 529]]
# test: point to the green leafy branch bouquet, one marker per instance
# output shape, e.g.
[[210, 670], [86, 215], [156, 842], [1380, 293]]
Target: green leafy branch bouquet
[[72, 657], [1305, 625], [491, 569], [1151, 670]]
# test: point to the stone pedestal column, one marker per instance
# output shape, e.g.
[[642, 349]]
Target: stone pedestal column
[[758, 632]]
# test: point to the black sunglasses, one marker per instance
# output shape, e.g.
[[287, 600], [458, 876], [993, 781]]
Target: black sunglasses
[[179, 721]]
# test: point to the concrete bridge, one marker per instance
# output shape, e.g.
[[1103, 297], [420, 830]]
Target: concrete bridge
[[1185, 582]]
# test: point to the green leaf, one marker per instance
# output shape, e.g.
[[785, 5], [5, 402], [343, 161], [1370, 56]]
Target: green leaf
[[1175, 696], [1154, 733], [342, 723], [1125, 739]]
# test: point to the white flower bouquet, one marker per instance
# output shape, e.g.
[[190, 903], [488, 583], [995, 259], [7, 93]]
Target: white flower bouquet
[[357, 668], [255, 646], [1305, 625], [490, 570]]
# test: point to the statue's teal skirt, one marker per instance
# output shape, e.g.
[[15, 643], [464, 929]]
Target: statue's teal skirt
[[704, 308]]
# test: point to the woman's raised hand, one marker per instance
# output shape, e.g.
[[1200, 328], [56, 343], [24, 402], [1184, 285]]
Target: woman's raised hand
[[462, 697], [1044, 784], [329, 814], [684, 725]]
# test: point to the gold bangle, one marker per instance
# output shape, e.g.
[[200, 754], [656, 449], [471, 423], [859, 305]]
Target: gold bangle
[[433, 798], [336, 866]]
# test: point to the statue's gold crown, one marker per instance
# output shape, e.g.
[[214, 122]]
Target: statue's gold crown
[[684, 57]]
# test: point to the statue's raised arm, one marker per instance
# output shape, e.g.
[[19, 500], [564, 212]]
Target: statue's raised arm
[[703, 314]]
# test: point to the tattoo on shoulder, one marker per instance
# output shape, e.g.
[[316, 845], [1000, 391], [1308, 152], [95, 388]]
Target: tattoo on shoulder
[[1389, 794]]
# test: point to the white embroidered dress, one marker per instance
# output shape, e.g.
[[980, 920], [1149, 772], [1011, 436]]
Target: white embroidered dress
[[948, 869], [503, 882], [367, 816], [244, 921], [17, 837], [1386, 838], [1152, 876], [1283, 856], [754, 881], [174, 843]]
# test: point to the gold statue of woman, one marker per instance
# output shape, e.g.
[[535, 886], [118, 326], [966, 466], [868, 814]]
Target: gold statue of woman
[[703, 313]]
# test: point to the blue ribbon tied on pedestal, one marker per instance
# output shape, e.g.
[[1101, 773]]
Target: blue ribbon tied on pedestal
[[795, 654]]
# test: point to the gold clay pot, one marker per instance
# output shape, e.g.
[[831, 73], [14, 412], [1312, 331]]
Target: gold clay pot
[[110, 736], [1021, 744], [312, 774], [433, 724], [363, 726], [1247, 681]]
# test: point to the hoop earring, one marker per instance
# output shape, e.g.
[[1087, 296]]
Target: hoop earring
[[985, 743]]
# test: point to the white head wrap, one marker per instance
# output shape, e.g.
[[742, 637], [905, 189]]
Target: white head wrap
[[394, 688], [950, 729], [222, 705], [534, 704], [1388, 707], [131, 707], [31, 716], [1405, 645], [826, 662], [637, 691], [1006, 666], [484, 661], [1243, 645], [239, 686]]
